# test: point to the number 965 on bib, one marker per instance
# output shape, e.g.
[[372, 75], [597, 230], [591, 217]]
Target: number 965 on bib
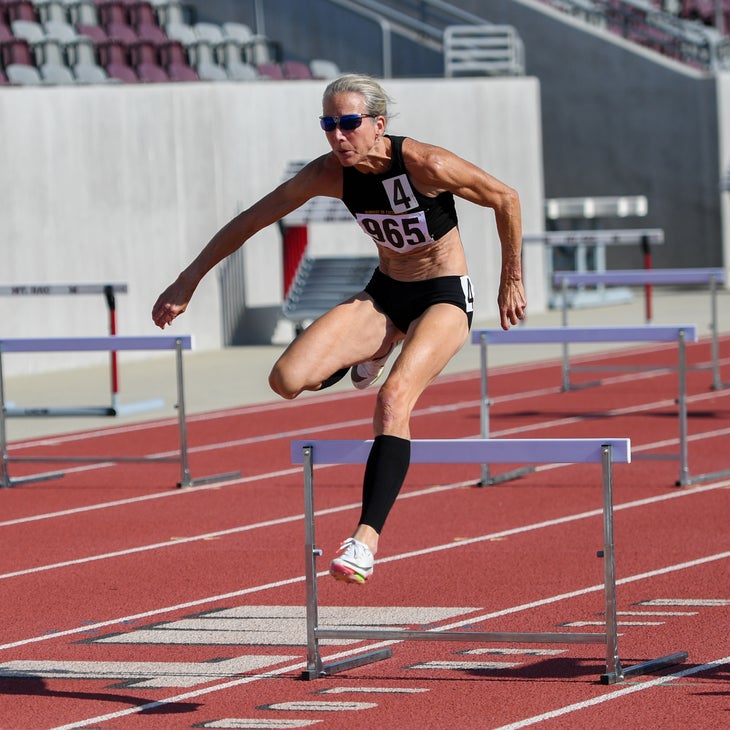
[[397, 232]]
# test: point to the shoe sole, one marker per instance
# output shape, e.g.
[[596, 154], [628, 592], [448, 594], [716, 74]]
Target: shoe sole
[[347, 575]]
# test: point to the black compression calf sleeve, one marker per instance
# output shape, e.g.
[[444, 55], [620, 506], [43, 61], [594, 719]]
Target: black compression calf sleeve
[[334, 378], [385, 472]]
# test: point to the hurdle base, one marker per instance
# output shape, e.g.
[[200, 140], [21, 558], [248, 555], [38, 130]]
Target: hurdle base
[[687, 480], [507, 476], [345, 664], [8, 482], [209, 480], [653, 665]]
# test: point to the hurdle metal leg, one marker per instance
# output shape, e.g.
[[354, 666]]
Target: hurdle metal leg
[[486, 478], [684, 477], [717, 383], [315, 666], [5, 479], [614, 671], [185, 479]]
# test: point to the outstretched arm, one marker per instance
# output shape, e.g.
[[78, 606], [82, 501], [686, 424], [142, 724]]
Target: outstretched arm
[[437, 169], [317, 178]]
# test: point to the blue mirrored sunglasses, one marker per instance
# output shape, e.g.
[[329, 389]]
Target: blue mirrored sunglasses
[[347, 122]]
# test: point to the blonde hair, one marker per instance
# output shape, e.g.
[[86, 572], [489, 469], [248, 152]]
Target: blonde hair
[[376, 100]]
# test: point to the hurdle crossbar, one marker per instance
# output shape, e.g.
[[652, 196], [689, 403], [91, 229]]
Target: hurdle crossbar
[[557, 335], [468, 451], [95, 344], [710, 277]]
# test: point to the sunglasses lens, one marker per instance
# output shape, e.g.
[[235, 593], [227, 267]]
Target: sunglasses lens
[[350, 122], [328, 124]]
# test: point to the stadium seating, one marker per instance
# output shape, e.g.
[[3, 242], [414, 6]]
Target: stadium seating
[[241, 71], [272, 71], [81, 12], [23, 75], [321, 68], [90, 73], [182, 72], [128, 41], [122, 71], [57, 74], [150, 72], [20, 10], [77, 48], [45, 48]]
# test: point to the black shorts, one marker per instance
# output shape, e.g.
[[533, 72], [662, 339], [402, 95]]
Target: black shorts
[[405, 301]]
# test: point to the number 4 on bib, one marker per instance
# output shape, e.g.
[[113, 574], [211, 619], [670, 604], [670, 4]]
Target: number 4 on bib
[[400, 194]]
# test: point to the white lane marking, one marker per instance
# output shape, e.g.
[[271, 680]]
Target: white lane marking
[[581, 624], [703, 602], [344, 654], [636, 448], [220, 533], [372, 690], [281, 626], [614, 695], [235, 723], [301, 432], [291, 581], [656, 613], [449, 666], [320, 706], [287, 472], [285, 670], [516, 651], [147, 675], [334, 510]]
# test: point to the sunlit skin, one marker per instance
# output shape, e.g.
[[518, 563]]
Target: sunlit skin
[[356, 331]]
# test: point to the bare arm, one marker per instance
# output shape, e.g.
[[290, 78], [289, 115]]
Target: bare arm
[[320, 177], [435, 170]]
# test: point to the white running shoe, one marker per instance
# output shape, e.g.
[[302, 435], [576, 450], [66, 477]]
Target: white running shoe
[[354, 564], [368, 372]]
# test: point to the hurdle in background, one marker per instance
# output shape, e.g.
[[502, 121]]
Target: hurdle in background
[[599, 240], [469, 451], [109, 291], [100, 344], [557, 335], [710, 277]]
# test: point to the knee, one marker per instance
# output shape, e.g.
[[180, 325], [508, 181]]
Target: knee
[[278, 382], [393, 402]]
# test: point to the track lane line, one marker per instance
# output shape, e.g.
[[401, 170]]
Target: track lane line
[[288, 472], [614, 694], [404, 556], [431, 410], [326, 398]]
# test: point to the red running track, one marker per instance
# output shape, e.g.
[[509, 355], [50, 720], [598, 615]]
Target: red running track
[[128, 603]]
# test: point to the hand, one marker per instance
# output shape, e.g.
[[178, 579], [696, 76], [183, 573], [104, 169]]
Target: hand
[[512, 302], [173, 301]]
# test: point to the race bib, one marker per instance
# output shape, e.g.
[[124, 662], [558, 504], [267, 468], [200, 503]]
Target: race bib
[[400, 233]]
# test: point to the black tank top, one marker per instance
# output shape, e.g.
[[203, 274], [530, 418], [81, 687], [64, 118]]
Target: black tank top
[[391, 211]]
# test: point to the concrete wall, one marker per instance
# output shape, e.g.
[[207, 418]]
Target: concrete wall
[[127, 183]]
